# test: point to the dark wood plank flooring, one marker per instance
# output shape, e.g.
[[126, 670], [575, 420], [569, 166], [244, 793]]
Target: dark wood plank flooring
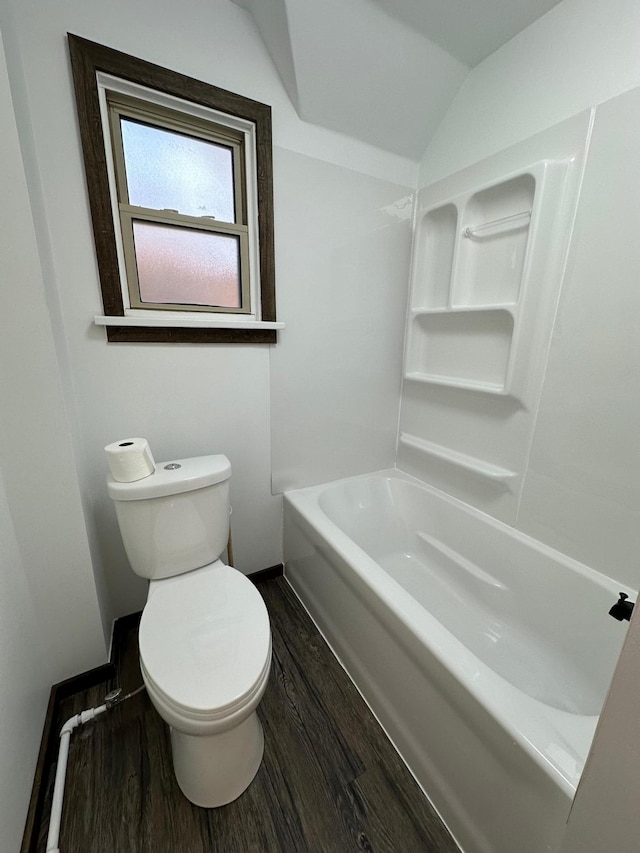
[[330, 781]]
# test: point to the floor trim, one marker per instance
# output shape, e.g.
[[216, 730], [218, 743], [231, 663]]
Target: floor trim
[[276, 571], [49, 742]]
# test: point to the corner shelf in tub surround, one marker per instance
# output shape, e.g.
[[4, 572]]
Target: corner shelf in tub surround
[[479, 467], [489, 251], [470, 276]]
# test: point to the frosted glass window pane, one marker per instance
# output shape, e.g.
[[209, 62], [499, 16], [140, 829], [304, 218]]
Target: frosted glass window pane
[[186, 266], [178, 172]]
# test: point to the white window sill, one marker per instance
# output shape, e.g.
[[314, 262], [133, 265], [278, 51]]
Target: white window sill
[[184, 323]]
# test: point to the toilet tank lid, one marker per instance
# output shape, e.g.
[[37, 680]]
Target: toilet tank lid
[[171, 478]]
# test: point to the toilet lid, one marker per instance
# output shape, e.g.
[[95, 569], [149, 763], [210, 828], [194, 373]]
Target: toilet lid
[[205, 639]]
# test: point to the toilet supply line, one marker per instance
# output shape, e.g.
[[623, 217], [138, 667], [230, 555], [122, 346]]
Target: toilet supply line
[[230, 547], [110, 700]]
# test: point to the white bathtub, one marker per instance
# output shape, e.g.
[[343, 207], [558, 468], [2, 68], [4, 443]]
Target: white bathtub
[[485, 655]]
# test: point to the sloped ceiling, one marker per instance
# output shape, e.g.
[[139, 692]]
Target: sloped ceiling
[[383, 71], [470, 30]]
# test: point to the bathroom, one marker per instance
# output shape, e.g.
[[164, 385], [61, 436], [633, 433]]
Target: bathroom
[[323, 403]]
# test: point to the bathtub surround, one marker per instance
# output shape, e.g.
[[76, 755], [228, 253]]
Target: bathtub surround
[[579, 488], [489, 254], [580, 493], [327, 420]]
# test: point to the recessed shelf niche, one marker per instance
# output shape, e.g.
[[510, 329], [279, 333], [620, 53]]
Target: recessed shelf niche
[[469, 280], [494, 240], [461, 347], [435, 247]]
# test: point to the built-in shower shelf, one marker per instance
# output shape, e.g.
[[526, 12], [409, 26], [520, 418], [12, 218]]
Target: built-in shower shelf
[[510, 307], [479, 467], [463, 347], [455, 382]]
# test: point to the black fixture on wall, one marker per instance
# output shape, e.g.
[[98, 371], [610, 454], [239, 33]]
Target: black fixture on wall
[[622, 609]]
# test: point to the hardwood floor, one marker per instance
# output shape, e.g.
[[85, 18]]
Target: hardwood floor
[[330, 781]]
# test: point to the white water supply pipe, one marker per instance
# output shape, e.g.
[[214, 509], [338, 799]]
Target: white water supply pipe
[[61, 772], [113, 698]]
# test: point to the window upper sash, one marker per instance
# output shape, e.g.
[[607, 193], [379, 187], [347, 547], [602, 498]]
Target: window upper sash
[[158, 117]]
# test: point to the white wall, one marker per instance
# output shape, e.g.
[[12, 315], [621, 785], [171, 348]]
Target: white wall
[[25, 684], [192, 399], [342, 274], [50, 626], [605, 813], [579, 54], [580, 493]]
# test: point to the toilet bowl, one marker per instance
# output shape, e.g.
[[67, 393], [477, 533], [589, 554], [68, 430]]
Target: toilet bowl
[[205, 640]]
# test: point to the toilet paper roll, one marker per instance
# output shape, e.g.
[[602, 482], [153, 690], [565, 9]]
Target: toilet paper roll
[[130, 459]]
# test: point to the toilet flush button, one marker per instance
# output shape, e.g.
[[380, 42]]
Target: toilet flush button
[[172, 466]]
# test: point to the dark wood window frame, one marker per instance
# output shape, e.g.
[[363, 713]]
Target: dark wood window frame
[[87, 59]]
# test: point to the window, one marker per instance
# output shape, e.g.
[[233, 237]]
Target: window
[[180, 190], [182, 209]]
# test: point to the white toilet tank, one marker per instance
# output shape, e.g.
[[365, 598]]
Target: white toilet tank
[[177, 519]]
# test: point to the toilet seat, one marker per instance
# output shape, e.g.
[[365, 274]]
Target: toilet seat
[[205, 643], [205, 722]]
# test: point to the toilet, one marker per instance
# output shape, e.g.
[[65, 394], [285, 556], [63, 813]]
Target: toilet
[[205, 639]]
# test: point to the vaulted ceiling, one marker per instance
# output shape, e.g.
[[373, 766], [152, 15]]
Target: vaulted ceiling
[[384, 71]]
